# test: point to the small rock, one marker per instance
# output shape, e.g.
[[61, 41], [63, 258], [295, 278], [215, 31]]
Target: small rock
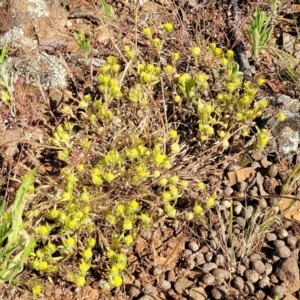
[[146, 234], [238, 283], [282, 233], [199, 259], [273, 170], [264, 282], [278, 290], [217, 294], [249, 287], [254, 257], [187, 253], [208, 256], [275, 258], [208, 279], [190, 262], [246, 262], [268, 269], [270, 237], [197, 293], [260, 295], [283, 252], [258, 266], [279, 243], [206, 268], [219, 260], [133, 290], [171, 276], [247, 212], [251, 276], [291, 241], [228, 191], [287, 271], [182, 284], [149, 289], [220, 274], [165, 285], [242, 186], [273, 279], [237, 207], [240, 270], [240, 221], [194, 246]]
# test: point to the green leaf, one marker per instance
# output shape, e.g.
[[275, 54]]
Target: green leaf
[[18, 207]]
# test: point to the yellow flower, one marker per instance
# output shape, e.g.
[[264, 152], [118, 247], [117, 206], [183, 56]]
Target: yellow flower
[[79, 281], [260, 81], [127, 225], [148, 32], [229, 54], [128, 240], [201, 186], [195, 51], [281, 117], [198, 210], [210, 202], [87, 253], [173, 134], [166, 196], [168, 27]]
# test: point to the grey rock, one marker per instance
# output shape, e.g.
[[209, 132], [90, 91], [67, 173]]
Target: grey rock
[[133, 290], [258, 266], [241, 221], [219, 260], [194, 246], [199, 259], [171, 276], [182, 284], [149, 289], [287, 271], [206, 268], [197, 293], [268, 268], [264, 282], [164, 285], [270, 237], [249, 287], [278, 290], [238, 283], [220, 274], [187, 253], [291, 241], [279, 243], [251, 275], [247, 212], [254, 257], [216, 293], [208, 279], [275, 258], [208, 256], [283, 252], [282, 233], [273, 170], [273, 279], [240, 270], [260, 295]]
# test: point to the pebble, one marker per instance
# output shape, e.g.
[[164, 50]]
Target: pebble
[[199, 259], [268, 269], [208, 279], [282, 233], [251, 275], [216, 293], [219, 260], [187, 253], [249, 287], [208, 256], [275, 258], [295, 253], [165, 285], [240, 221], [247, 212], [273, 170], [220, 274], [240, 270], [270, 237], [283, 252], [134, 291], [197, 293], [206, 268], [278, 290], [254, 257], [291, 241], [171, 276], [238, 283], [237, 207], [242, 186], [279, 243], [264, 282], [194, 246], [273, 279], [228, 191], [182, 284], [258, 266]]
